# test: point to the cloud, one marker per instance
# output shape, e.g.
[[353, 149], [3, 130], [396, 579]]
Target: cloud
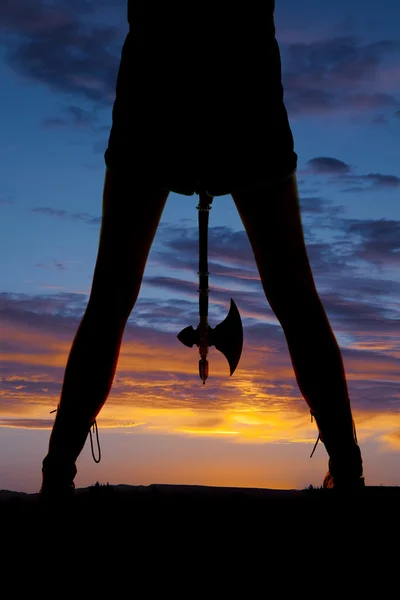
[[367, 101], [49, 312], [64, 46], [228, 249], [316, 205], [344, 173], [379, 241], [379, 180], [64, 214], [27, 423], [325, 164], [51, 212], [379, 120], [56, 264], [75, 116], [337, 74]]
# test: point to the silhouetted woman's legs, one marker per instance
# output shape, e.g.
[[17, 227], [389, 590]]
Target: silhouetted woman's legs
[[281, 257], [130, 219]]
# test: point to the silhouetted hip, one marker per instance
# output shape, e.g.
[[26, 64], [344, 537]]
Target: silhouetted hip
[[199, 99]]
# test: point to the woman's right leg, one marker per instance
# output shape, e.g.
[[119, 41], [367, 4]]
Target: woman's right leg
[[279, 249], [131, 215]]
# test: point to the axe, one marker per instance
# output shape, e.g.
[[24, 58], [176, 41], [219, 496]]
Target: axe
[[227, 337]]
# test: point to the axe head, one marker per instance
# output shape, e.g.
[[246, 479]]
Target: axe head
[[227, 337]]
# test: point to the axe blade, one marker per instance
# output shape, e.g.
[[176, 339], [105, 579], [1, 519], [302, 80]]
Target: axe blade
[[227, 337], [189, 336]]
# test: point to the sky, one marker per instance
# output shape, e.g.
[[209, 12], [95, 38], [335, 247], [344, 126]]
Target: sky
[[341, 76]]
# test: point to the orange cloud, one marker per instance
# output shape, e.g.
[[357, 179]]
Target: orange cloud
[[157, 390]]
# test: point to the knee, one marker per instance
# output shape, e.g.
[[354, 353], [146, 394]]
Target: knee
[[292, 302], [289, 285], [112, 306]]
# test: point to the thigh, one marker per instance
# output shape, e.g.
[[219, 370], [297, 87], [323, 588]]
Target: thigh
[[272, 219], [131, 215]]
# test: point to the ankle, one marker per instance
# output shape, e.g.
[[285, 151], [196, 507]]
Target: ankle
[[337, 432], [58, 469], [346, 463]]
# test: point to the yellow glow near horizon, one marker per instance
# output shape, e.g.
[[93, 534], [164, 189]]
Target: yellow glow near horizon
[[247, 408]]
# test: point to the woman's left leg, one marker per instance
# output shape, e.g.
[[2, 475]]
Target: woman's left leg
[[131, 215]]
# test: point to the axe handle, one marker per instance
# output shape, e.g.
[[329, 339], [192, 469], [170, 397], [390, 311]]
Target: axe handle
[[203, 207]]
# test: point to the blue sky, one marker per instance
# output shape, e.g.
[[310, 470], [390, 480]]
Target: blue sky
[[341, 76]]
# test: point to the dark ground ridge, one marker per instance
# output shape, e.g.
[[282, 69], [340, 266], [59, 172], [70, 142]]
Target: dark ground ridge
[[208, 497], [216, 526]]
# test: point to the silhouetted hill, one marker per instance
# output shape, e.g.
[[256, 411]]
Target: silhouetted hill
[[182, 529], [121, 501]]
